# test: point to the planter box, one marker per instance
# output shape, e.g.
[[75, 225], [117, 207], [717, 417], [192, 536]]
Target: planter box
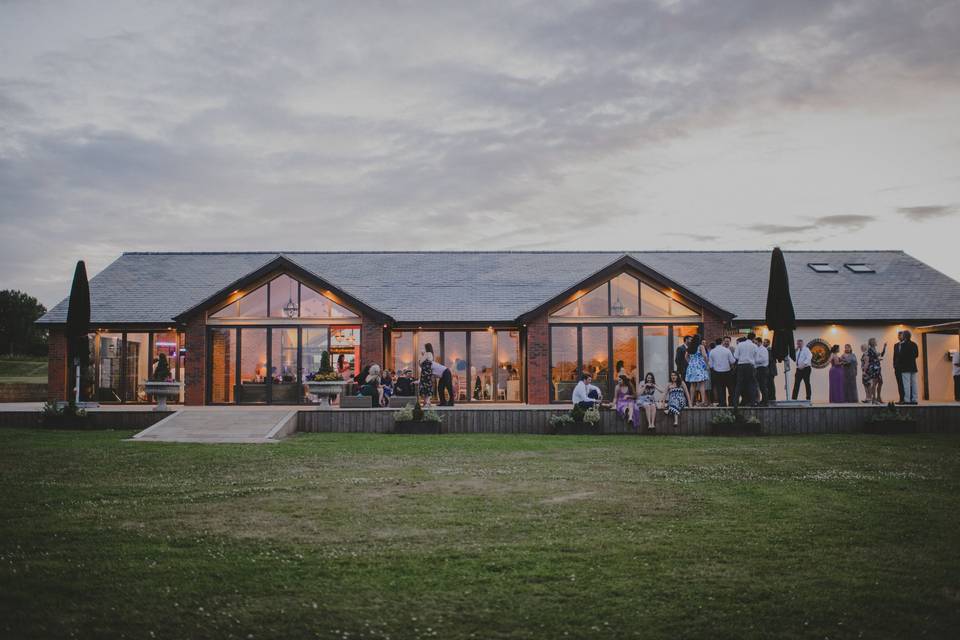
[[161, 391], [326, 390], [736, 429], [419, 427], [577, 429], [890, 427]]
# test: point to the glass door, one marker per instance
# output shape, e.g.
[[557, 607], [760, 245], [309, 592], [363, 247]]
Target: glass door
[[284, 379]]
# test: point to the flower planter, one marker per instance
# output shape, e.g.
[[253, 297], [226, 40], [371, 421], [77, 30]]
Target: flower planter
[[418, 427], [736, 429], [890, 427], [326, 390], [161, 391]]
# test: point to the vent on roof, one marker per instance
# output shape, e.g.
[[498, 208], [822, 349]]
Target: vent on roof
[[822, 267], [859, 267]]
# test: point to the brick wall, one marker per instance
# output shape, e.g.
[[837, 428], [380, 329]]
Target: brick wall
[[56, 365], [714, 327], [23, 392], [195, 370], [371, 343], [538, 361]]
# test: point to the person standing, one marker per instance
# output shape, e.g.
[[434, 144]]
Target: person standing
[[836, 376], [426, 375], [956, 375], [680, 357], [761, 367], [850, 392], [771, 372], [909, 352], [722, 363], [745, 389], [897, 373], [874, 370], [697, 373], [804, 364], [865, 374]]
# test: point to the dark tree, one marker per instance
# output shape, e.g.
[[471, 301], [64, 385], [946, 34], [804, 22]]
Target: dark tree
[[18, 333]]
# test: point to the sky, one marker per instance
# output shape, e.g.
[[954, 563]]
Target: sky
[[209, 126]]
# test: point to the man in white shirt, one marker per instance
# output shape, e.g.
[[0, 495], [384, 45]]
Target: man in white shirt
[[444, 383], [721, 368], [804, 367], [761, 366], [586, 395], [746, 387]]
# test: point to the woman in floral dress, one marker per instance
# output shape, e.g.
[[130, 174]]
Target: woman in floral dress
[[623, 400], [647, 402], [697, 372], [874, 370], [678, 398], [426, 377]]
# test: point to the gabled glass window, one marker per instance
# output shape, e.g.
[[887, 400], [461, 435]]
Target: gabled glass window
[[624, 296], [284, 297]]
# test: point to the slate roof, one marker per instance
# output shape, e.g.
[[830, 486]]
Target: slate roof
[[501, 286]]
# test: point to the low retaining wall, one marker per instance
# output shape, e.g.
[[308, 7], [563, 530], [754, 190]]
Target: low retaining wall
[[96, 419], [775, 421], [23, 391]]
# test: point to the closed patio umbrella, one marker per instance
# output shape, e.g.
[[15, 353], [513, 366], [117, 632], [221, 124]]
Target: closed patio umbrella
[[780, 317], [78, 325]]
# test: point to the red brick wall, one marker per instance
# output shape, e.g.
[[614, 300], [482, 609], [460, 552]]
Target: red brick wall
[[195, 341], [714, 327], [57, 365], [538, 361], [371, 344]]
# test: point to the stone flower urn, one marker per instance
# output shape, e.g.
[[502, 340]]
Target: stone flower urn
[[161, 391], [326, 390]]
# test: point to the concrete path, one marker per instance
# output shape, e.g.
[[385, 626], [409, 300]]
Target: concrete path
[[229, 424]]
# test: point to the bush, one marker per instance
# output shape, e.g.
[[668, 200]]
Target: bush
[[733, 417], [560, 420], [410, 414], [162, 371], [69, 416], [326, 372], [891, 413]]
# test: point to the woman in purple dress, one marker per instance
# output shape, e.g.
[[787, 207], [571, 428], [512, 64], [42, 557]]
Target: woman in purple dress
[[837, 381], [623, 400]]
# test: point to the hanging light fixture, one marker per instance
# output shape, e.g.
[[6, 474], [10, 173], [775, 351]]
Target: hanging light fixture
[[617, 308], [291, 308]]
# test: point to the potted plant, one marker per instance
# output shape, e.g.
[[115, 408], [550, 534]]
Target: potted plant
[[326, 383], [161, 384], [889, 420], [578, 421], [412, 419], [68, 416], [734, 423]]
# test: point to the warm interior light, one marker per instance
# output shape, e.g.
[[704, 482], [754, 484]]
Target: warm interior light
[[833, 328]]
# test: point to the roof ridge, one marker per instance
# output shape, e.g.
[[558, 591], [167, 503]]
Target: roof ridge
[[501, 252]]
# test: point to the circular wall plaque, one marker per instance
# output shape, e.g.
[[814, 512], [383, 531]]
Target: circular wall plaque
[[820, 349]]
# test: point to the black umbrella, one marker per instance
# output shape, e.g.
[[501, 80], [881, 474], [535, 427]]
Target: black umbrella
[[780, 317], [78, 324]]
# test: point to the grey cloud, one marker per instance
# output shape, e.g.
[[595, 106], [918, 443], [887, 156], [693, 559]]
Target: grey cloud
[[927, 212], [847, 222]]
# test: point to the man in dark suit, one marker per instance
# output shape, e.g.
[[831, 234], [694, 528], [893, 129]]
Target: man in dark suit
[[897, 373], [771, 372], [906, 360], [680, 358]]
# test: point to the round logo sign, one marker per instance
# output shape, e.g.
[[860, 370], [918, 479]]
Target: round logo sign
[[820, 349]]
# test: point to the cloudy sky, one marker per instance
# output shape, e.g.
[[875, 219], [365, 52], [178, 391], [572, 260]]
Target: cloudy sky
[[735, 124]]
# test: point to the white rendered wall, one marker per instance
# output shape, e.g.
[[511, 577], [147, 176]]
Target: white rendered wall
[[940, 369]]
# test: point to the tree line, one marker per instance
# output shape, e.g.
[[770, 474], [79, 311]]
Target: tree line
[[19, 335]]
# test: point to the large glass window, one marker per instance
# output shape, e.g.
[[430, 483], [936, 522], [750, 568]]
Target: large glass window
[[223, 370], [595, 303], [313, 304], [563, 359], [455, 357], [109, 367], [137, 370], [314, 344], [595, 357], [624, 296], [481, 365], [401, 348], [253, 366], [508, 366], [656, 353], [284, 296], [625, 353], [654, 303], [285, 387], [345, 350]]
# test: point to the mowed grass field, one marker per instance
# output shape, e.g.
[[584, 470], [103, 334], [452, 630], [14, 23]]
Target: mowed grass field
[[375, 536]]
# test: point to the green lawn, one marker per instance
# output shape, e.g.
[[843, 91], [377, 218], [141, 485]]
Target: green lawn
[[21, 369], [372, 536]]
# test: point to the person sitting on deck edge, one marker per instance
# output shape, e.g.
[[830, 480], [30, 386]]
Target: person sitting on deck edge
[[585, 394]]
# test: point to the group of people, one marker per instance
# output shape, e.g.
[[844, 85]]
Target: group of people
[[723, 374], [381, 384]]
